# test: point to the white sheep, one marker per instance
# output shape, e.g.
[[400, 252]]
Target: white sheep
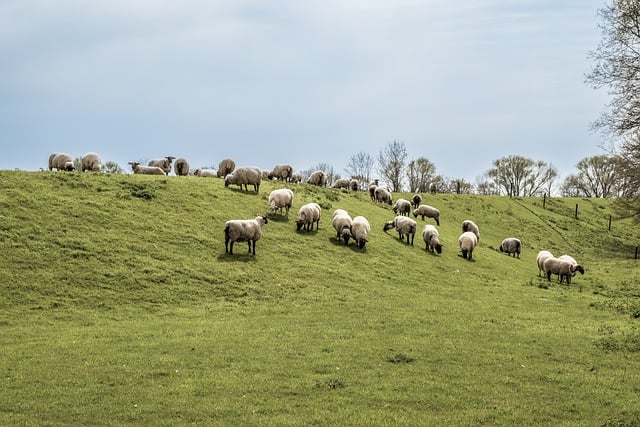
[[225, 167], [341, 183], [360, 229], [282, 172], [427, 211], [279, 199], [467, 242], [296, 178], [402, 207], [511, 245], [163, 163], [404, 226], [572, 260], [354, 185], [383, 195], [318, 178], [431, 238], [181, 167], [51, 157], [416, 200], [63, 162], [563, 268], [90, 162], [433, 188], [468, 225], [244, 176], [205, 173], [342, 222], [137, 168], [307, 215], [541, 258], [243, 230]]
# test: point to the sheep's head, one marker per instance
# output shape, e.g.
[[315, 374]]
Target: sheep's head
[[134, 164], [299, 224], [577, 267], [388, 225], [438, 247]]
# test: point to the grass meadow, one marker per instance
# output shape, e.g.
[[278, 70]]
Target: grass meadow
[[118, 305]]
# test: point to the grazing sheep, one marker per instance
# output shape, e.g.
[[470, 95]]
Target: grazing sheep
[[63, 162], [243, 230], [342, 222], [563, 268], [433, 188], [205, 173], [541, 258], [51, 157], [341, 183], [244, 176], [163, 163], [402, 207], [90, 162], [181, 167], [427, 211], [468, 225], [383, 195], [467, 241], [225, 167], [282, 172], [146, 170], [360, 229], [354, 185], [280, 198], [318, 178], [511, 245], [296, 178], [416, 200], [572, 260], [404, 225], [431, 239], [307, 215], [372, 189]]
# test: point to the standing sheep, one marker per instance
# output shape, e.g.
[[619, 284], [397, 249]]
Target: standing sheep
[[404, 225], [372, 189], [282, 172], [63, 162], [243, 230], [467, 242], [225, 167], [427, 211], [296, 178], [244, 176], [433, 188], [318, 178], [90, 162], [280, 198], [342, 222], [431, 239], [341, 183], [163, 163], [573, 262], [146, 170], [307, 215], [360, 229], [511, 245], [383, 195], [181, 167], [354, 185], [416, 200], [563, 268], [402, 207], [541, 258], [468, 225]]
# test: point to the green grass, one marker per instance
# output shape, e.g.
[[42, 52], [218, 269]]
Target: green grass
[[119, 306]]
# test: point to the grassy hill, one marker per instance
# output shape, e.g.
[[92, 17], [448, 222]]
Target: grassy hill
[[119, 305]]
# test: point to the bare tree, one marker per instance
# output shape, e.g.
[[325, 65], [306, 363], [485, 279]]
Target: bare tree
[[360, 166], [596, 177], [486, 186], [420, 172], [111, 167], [391, 164], [519, 176], [459, 186]]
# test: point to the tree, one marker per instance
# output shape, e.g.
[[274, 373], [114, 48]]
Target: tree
[[420, 172], [360, 166], [459, 186], [519, 176], [391, 164], [111, 167], [596, 177]]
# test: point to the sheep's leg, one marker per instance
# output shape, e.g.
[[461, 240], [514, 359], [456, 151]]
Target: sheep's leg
[[231, 248]]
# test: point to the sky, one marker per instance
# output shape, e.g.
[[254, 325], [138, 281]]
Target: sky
[[462, 83]]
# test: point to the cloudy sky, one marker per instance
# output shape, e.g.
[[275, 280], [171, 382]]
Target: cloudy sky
[[461, 83]]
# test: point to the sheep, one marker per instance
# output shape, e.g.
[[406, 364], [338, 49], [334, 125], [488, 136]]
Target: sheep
[[63, 162], [354, 185], [467, 242], [383, 195], [225, 167], [468, 225], [90, 162], [427, 211], [296, 178], [404, 225], [360, 229], [307, 215], [244, 176], [342, 222], [282, 172], [431, 239], [181, 167], [243, 230], [541, 258], [318, 178], [205, 173], [433, 188], [372, 189], [163, 163], [51, 157], [511, 245], [341, 183], [280, 198], [402, 207], [577, 266], [563, 268], [146, 170], [416, 200]]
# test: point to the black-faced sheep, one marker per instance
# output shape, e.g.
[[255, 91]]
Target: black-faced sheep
[[282, 172], [307, 215], [402, 207], [433, 188], [467, 242], [360, 229], [354, 185], [63, 162], [181, 167], [563, 268], [372, 189], [383, 195], [342, 222], [468, 225], [428, 212], [404, 226], [318, 178], [244, 176], [578, 267], [296, 178], [163, 163], [431, 239], [416, 200], [243, 230], [279, 199], [541, 258], [90, 162], [511, 245], [137, 168], [225, 167]]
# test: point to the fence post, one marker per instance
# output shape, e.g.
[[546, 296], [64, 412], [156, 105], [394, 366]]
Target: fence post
[[544, 201], [576, 211], [609, 222]]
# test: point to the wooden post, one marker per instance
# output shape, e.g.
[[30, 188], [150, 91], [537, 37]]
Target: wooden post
[[544, 201], [576, 211], [609, 222]]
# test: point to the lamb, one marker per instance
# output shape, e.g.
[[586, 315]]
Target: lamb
[[282, 172], [404, 225], [467, 242], [243, 230], [146, 170], [163, 163], [225, 167], [307, 215], [280, 198], [372, 189], [354, 185], [402, 207], [181, 167], [63, 162], [341, 183], [427, 211], [205, 173], [468, 225], [383, 195], [563, 268], [90, 162], [244, 176], [511, 245], [577, 266], [431, 239], [342, 222], [416, 200], [360, 229], [541, 258], [318, 178]]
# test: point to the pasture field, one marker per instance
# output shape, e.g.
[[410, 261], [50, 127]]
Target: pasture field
[[118, 305]]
